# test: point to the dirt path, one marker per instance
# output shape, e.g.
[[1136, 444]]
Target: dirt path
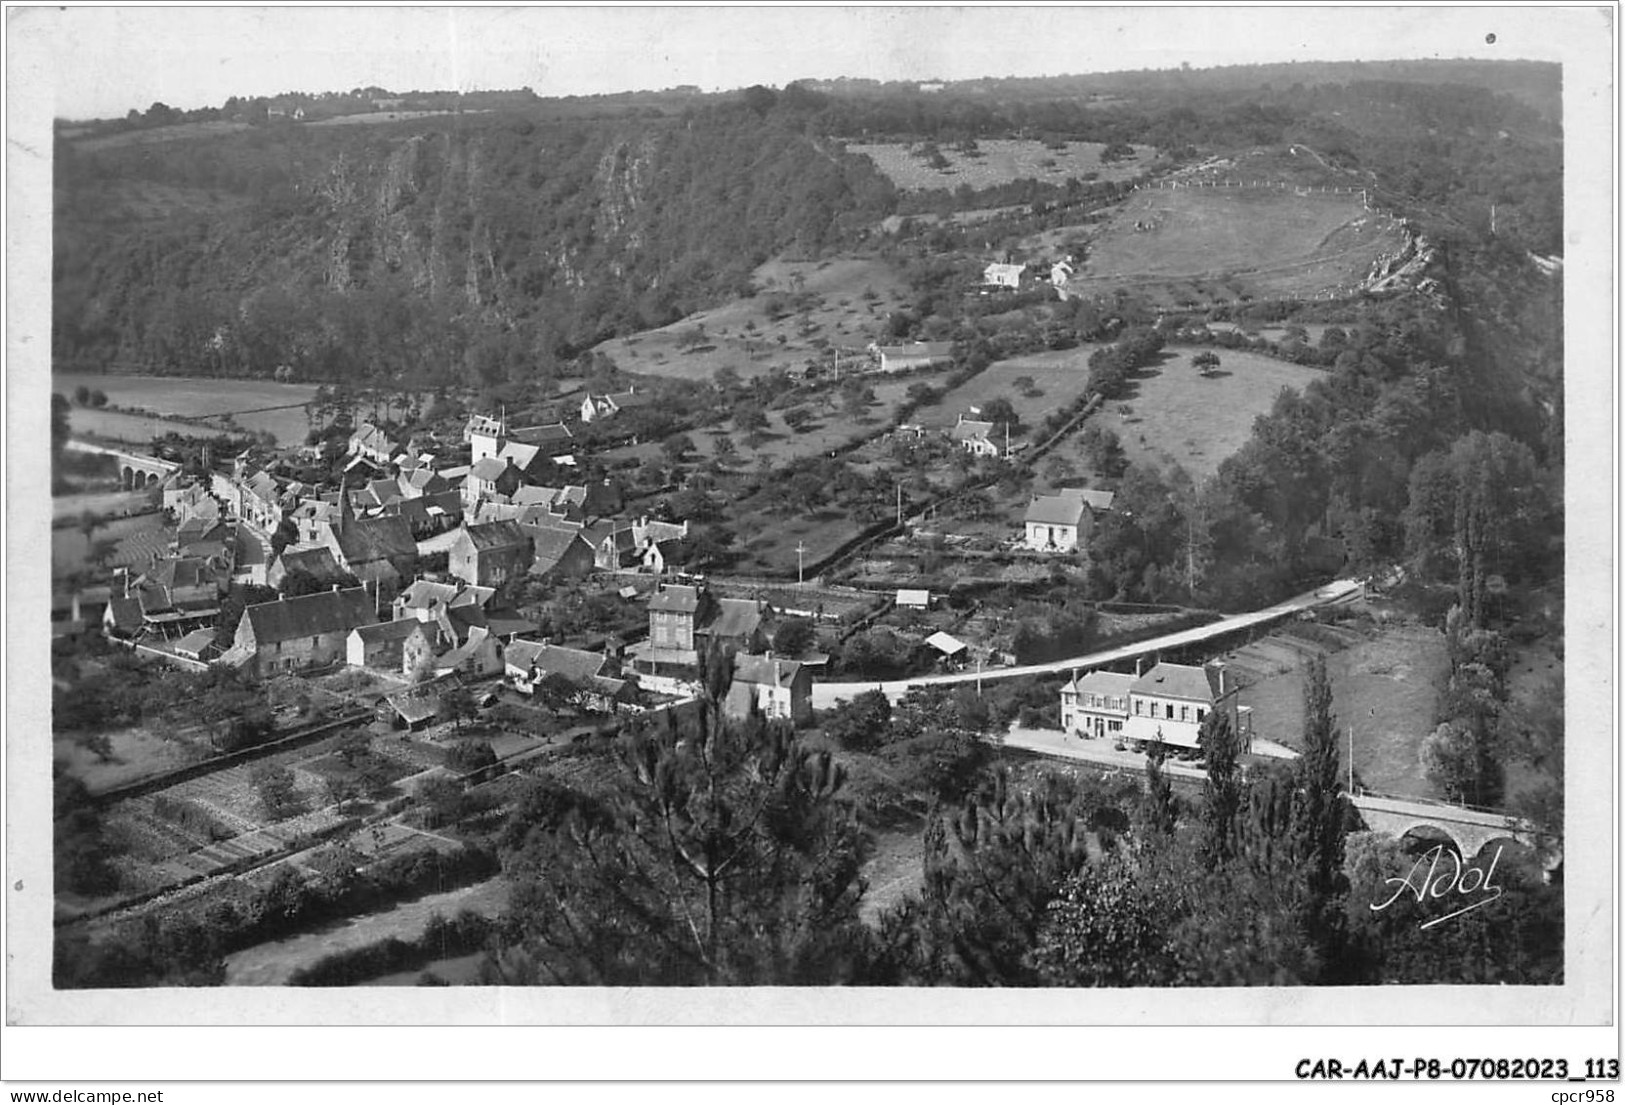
[[271, 964]]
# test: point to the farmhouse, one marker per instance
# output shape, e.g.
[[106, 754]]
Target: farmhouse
[[920, 354], [308, 631], [603, 406], [527, 663], [972, 436], [1057, 523], [479, 655], [397, 646], [776, 688], [999, 275], [910, 599]]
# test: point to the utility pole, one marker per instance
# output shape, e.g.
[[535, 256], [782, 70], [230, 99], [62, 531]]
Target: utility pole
[[899, 504], [801, 549], [1351, 760]]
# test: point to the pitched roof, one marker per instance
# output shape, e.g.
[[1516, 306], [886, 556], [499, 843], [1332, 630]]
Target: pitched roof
[[1102, 682], [764, 670], [310, 615], [679, 597], [1178, 681], [1055, 510], [482, 424], [910, 597], [495, 535], [318, 562], [967, 430], [553, 433], [488, 468], [424, 593], [945, 643], [737, 617], [195, 642], [918, 349], [377, 539], [572, 663], [632, 398], [372, 437], [1098, 500], [552, 543], [394, 631], [125, 613]]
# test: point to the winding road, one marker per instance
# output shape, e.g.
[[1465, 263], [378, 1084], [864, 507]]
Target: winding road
[[825, 695]]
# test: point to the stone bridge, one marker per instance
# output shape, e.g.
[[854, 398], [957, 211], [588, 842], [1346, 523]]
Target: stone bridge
[[1469, 830], [136, 470]]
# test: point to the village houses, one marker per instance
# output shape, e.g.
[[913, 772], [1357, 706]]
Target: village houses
[[491, 555], [305, 632]]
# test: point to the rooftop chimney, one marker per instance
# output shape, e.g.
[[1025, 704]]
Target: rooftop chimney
[[1139, 666]]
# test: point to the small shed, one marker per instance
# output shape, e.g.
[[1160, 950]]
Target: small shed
[[410, 711], [196, 645], [914, 600], [952, 648]]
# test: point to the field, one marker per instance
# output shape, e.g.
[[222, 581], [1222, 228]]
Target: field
[[1001, 161], [1205, 245], [187, 397], [800, 305], [139, 539], [1173, 413], [1058, 378], [1385, 684]]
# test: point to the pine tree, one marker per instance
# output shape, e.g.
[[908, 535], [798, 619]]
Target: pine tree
[[726, 861], [1320, 820], [1223, 792], [1159, 810]]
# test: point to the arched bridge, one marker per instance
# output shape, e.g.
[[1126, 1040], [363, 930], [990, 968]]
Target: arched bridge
[[136, 470], [1469, 830]]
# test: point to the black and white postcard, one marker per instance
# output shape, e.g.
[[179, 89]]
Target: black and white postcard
[[840, 515]]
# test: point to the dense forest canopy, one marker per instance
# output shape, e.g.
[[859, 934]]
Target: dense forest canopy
[[496, 244]]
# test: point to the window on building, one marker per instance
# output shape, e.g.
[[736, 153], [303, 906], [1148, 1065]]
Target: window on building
[[1169, 708], [1184, 713], [1115, 726], [1200, 713]]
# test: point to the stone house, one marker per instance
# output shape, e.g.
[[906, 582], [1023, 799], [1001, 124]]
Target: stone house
[[492, 554], [304, 632]]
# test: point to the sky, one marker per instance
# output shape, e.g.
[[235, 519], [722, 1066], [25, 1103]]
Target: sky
[[103, 61]]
